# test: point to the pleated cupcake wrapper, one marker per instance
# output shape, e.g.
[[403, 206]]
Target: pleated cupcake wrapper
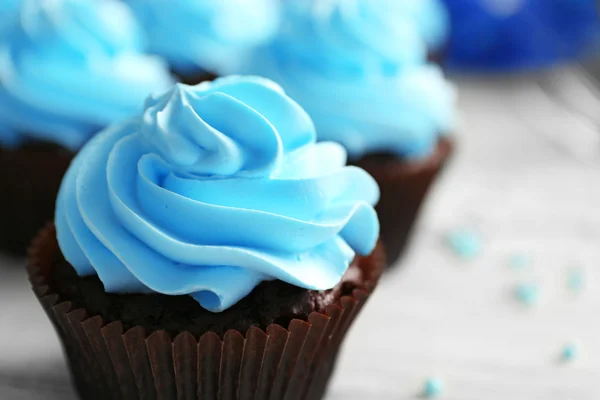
[[276, 364], [403, 186], [29, 181]]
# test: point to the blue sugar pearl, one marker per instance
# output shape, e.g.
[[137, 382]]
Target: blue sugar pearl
[[527, 293], [465, 244], [433, 388], [575, 280], [503, 35], [520, 261], [570, 352]]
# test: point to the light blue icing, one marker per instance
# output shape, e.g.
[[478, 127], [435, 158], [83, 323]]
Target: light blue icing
[[206, 34], [214, 189], [359, 69], [431, 18], [7, 10], [70, 67]]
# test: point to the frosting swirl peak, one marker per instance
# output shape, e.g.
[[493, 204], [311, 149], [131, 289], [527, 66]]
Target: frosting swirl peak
[[213, 189]]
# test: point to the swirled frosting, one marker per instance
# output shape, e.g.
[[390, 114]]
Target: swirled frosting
[[70, 67], [7, 9], [206, 34], [430, 17], [214, 189], [358, 67]]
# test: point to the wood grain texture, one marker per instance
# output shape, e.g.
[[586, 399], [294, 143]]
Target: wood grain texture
[[523, 179]]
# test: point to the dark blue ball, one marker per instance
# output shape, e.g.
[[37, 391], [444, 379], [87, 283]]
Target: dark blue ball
[[520, 34]]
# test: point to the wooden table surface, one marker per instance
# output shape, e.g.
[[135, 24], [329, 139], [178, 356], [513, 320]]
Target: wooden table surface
[[526, 178]]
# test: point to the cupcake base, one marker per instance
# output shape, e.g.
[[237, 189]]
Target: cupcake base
[[281, 342], [404, 185], [30, 177]]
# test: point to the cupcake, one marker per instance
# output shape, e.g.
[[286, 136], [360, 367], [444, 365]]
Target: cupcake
[[67, 69], [359, 69], [202, 39], [207, 248]]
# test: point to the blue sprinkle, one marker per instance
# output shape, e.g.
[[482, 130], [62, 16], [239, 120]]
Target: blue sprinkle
[[433, 388], [575, 280], [465, 244], [570, 352], [528, 293], [520, 261]]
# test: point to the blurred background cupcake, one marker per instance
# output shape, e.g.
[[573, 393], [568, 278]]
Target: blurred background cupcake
[[520, 34], [360, 70], [432, 21], [202, 39], [67, 69]]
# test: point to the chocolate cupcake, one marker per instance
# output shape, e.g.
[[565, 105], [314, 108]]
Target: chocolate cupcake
[[359, 69], [202, 39], [207, 248], [67, 69]]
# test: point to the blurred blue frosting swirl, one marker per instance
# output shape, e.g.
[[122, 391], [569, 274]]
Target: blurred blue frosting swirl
[[211, 35], [359, 69], [8, 8], [431, 19], [212, 190], [70, 67], [521, 34]]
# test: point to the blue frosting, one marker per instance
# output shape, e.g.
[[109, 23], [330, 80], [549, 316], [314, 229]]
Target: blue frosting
[[431, 19], [70, 67], [521, 34], [206, 34], [359, 69], [8, 8], [215, 188]]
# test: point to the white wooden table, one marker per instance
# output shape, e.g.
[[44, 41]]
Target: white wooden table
[[527, 178]]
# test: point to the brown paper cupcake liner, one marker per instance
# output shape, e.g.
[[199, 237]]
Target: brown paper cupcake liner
[[276, 363], [404, 185], [29, 177]]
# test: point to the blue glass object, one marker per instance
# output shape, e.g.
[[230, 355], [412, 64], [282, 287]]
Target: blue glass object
[[520, 34]]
